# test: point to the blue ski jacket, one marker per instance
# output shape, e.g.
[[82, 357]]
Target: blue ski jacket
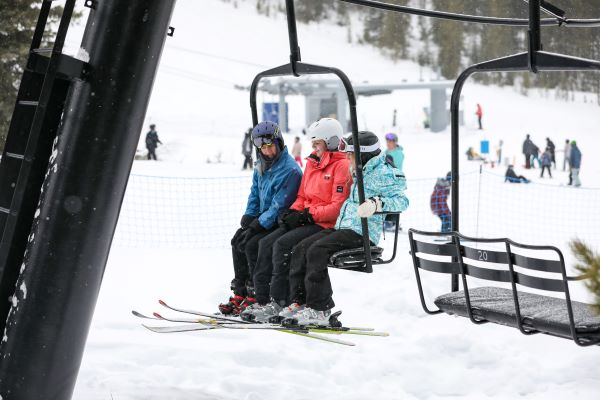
[[274, 190], [380, 180]]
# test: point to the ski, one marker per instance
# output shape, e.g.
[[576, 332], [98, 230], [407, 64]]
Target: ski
[[209, 321], [312, 328], [200, 327], [158, 317], [180, 328], [203, 314]]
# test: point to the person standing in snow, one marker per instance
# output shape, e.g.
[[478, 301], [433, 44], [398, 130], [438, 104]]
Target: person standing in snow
[[575, 158], [479, 113], [528, 150], [395, 155], [297, 151], [552, 147], [275, 185], [499, 151], [384, 188], [152, 141], [546, 162], [324, 187], [247, 148], [438, 202], [567, 159]]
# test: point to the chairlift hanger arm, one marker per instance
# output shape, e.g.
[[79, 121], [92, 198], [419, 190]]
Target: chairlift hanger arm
[[575, 23]]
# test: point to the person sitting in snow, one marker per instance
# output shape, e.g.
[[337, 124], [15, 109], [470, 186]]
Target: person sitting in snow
[[384, 186], [512, 177], [275, 184], [324, 187]]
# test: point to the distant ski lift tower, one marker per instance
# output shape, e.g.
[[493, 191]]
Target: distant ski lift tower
[[325, 98]]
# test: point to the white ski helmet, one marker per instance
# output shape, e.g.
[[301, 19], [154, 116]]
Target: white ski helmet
[[328, 130]]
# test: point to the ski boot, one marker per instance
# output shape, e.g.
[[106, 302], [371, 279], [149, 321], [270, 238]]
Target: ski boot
[[261, 313], [232, 307], [311, 317], [248, 302]]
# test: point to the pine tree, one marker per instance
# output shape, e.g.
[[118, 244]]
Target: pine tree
[[17, 24], [449, 37], [395, 32], [589, 266]]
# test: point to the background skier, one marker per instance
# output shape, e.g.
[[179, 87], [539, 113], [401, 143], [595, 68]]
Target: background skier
[[439, 202], [152, 141], [247, 148]]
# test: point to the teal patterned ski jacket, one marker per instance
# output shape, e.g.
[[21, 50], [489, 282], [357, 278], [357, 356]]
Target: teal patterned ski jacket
[[380, 180]]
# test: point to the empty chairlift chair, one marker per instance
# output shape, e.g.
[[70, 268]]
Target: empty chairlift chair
[[503, 262]]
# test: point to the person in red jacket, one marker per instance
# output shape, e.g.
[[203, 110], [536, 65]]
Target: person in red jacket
[[325, 186], [479, 114]]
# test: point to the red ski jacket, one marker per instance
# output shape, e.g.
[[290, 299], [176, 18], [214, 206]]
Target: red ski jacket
[[325, 186]]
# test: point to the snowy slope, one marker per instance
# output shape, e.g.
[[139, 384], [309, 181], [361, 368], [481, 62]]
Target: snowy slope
[[200, 115]]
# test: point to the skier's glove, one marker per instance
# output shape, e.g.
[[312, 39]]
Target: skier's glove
[[246, 220], [294, 219], [254, 228], [368, 208]]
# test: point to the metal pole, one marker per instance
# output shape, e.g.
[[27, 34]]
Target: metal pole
[[65, 259], [293, 35], [535, 42]]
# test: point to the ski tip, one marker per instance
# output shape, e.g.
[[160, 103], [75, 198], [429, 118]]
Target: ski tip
[[162, 303], [157, 315]]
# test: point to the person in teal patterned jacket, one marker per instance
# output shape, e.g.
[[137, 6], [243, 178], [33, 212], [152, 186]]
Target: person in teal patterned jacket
[[384, 191]]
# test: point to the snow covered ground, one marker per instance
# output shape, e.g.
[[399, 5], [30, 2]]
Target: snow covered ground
[[201, 117]]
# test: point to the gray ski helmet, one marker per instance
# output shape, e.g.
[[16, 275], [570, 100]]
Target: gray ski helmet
[[369, 145], [267, 132]]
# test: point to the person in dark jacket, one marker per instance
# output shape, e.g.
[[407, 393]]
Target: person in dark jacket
[[247, 148], [274, 188], [152, 141], [439, 202], [528, 151], [546, 162], [575, 159], [552, 147], [512, 177]]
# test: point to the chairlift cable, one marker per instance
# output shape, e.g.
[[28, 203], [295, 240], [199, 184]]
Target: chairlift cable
[[576, 23]]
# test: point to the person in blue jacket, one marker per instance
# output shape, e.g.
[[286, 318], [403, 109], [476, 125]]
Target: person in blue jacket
[[275, 185], [395, 155], [384, 187]]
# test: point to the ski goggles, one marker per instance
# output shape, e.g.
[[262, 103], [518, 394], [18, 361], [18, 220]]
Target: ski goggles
[[346, 147], [264, 141]]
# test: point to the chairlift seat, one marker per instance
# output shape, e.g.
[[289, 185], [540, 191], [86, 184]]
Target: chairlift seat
[[542, 313], [354, 259]]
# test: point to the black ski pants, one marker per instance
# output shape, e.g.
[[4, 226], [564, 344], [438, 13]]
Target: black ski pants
[[247, 161], [309, 278], [244, 262], [151, 153], [282, 253]]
